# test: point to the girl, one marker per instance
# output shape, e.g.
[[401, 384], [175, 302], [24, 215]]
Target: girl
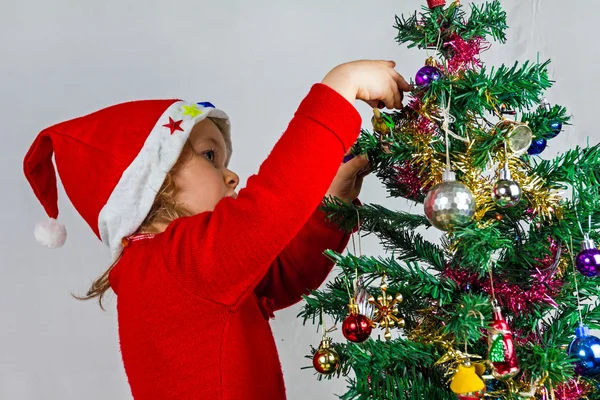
[[199, 269]]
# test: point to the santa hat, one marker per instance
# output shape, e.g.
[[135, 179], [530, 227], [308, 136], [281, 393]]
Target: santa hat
[[112, 164]]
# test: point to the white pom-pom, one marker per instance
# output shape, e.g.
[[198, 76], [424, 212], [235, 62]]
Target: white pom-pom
[[51, 233]]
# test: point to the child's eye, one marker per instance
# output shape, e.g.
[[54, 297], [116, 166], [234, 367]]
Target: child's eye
[[210, 155]]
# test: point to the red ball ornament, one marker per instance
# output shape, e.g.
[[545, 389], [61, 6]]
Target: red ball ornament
[[436, 3], [472, 396], [357, 328]]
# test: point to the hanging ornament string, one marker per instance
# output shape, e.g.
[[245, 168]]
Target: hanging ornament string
[[585, 235], [361, 293], [446, 119], [588, 259], [323, 322], [494, 302], [437, 44], [326, 330], [326, 360], [575, 280], [506, 159], [358, 233], [358, 223], [446, 129]]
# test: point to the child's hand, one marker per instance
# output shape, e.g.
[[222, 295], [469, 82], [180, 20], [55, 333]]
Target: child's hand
[[370, 81], [348, 181]]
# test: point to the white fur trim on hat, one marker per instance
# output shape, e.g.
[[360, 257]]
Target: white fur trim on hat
[[51, 233], [133, 196]]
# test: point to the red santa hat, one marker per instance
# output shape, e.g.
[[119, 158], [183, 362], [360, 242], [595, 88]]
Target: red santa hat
[[112, 164]]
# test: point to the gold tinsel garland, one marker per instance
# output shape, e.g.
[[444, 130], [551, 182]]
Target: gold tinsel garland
[[543, 200]]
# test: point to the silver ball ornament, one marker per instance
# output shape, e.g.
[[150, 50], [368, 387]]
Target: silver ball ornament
[[506, 192], [449, 204]]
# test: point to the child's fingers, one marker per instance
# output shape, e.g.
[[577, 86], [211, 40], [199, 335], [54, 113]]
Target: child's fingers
[[375, 103], [364, 171], [388, 100], [400, 81], [397, 96], [353, 166]]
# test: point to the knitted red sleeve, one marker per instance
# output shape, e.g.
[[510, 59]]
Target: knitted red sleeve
[[301, 267], [222, 255]]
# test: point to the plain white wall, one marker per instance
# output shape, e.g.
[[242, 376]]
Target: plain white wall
[[256, 59]]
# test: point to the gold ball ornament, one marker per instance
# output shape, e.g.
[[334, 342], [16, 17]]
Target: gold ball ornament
[[326, 360]]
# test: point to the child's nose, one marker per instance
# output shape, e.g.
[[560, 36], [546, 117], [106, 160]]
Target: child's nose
[[231, 178]]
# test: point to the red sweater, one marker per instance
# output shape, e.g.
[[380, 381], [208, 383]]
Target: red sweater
[[194, 301]]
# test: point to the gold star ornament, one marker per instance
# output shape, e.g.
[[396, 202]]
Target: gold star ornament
[[386, 313]]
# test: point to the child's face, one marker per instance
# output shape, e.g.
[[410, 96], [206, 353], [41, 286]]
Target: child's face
[[203, 180]]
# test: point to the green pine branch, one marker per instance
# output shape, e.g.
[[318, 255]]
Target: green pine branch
[[518, 87], [540, 120], [578, 166], [416, 284], [467, 317], [489, 19], [394, 229], [487, 240], [392, 370], [346, 216], [431, 28]]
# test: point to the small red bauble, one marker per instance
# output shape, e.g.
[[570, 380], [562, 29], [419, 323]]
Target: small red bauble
[[357, 328], [472, 396], [436, 3]]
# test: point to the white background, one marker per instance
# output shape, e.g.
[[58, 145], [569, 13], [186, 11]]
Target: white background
[[255, 59]]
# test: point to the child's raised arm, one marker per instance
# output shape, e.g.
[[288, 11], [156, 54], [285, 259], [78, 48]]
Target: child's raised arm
[[222, 255]]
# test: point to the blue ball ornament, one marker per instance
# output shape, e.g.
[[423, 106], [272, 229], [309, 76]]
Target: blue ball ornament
[[555, 128], [586, 349], [537, 146]]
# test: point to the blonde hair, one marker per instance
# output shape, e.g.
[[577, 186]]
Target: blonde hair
[[164, 210]]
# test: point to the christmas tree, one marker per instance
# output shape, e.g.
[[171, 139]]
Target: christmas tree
[[502, 307]]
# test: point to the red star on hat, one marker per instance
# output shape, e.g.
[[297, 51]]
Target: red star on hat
[[174, 125]]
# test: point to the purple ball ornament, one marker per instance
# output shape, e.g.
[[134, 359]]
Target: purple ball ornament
[[588, 259], [428, 73]]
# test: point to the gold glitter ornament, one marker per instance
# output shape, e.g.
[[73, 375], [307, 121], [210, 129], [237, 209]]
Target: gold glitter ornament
[[383, 126], [518, 135]]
